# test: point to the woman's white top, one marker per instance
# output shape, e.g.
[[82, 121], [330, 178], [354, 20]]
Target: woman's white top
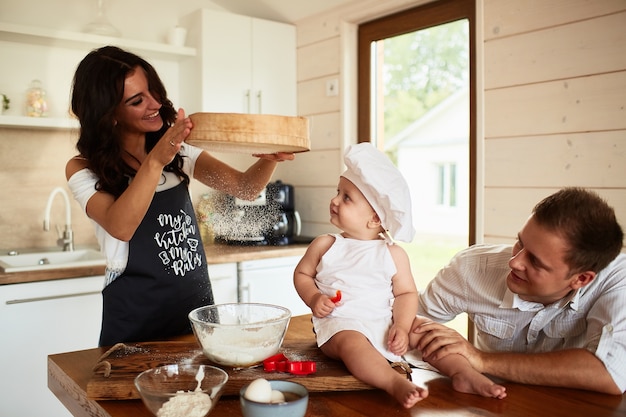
[[83, 187]]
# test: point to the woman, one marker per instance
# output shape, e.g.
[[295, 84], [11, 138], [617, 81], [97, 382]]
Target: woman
[[131, 177]]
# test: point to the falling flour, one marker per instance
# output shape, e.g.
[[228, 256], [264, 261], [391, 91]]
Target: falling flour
[[188, 403], [236, 223]]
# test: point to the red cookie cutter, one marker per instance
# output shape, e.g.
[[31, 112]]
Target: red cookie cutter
[[280, 363]]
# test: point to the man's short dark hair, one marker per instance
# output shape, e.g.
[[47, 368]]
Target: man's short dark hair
[[587, 223]]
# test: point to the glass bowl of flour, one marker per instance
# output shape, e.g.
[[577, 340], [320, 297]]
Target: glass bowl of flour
[[240, 335], [180, 390]]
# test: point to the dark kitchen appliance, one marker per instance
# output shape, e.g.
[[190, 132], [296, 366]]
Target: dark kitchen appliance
[[287, 225], [270, 219]]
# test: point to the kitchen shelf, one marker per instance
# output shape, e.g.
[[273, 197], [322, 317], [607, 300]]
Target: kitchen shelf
[[60, 38], [22, 34], [24, 122]]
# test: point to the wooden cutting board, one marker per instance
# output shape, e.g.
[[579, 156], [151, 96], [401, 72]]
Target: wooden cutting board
[[127, 362]]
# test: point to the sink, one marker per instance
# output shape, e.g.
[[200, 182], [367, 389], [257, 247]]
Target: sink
[[40, 261]]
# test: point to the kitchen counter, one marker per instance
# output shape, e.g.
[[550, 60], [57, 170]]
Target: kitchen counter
[[69, 373], [216, 254], [49, 275], [220, 253]]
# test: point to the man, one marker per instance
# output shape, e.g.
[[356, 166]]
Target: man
[[551, 310]]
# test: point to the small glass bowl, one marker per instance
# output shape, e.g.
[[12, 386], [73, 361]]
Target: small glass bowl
[[175, 387]]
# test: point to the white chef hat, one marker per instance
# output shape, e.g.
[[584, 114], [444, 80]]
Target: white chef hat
[[383, 186]]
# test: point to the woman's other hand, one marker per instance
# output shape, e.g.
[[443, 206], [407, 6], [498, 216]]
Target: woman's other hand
[[277, 157]]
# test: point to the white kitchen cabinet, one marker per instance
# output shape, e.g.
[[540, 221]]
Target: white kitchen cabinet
[[38, 319], [224, 282], [271, 281], [243, 65]]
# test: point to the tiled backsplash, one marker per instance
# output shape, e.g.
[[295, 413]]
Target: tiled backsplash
[[32, 163]]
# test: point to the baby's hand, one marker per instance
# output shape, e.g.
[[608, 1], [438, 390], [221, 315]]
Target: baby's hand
[[321, 305], [398, 341]]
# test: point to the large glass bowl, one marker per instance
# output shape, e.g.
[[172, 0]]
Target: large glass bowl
[[240, 335], [173, 390]]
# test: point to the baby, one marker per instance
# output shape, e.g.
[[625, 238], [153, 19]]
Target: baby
[[359, 285]]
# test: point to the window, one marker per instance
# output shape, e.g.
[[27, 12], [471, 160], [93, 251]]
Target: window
[[376, 36], [438, 161], [446, 184]]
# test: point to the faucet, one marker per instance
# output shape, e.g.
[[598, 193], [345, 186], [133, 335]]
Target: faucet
[[66, 238]]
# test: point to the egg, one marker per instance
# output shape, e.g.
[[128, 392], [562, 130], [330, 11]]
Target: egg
[[277, 397], [259, 390]]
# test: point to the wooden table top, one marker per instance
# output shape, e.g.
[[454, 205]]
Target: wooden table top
[[68, 374]]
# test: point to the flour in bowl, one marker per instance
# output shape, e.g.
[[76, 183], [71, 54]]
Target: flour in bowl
[[186, 404], [240, 348]]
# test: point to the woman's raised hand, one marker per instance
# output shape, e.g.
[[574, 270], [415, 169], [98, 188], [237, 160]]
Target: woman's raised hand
[[170, 143]]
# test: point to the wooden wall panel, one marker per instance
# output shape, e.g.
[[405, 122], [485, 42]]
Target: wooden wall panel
[[312, 98], [325, 129], [594, 159], [507, 209], [315, 168], [509, 17], [576, 105], [319, 59], [316, 29], [581, 48], [325, 25], [313, 206], [555, 105]]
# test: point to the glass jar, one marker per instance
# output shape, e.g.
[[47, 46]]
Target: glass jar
[[36, 104]]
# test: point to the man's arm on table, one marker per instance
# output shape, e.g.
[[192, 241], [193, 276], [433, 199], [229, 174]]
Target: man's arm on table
[[572, 368]]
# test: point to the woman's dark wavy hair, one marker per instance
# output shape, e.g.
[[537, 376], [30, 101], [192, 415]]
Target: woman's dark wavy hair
[[97, 90], [586, 222]]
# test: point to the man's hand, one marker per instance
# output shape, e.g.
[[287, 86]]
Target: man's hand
[[571, 368], [438, 341]]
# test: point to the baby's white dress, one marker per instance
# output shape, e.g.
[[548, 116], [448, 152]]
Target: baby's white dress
[[362, 270]]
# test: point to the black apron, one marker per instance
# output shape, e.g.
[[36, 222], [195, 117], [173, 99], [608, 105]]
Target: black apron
[[166, 276]]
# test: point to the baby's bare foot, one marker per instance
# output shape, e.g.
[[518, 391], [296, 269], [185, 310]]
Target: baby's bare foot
[[407, 393], [477, 383]]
